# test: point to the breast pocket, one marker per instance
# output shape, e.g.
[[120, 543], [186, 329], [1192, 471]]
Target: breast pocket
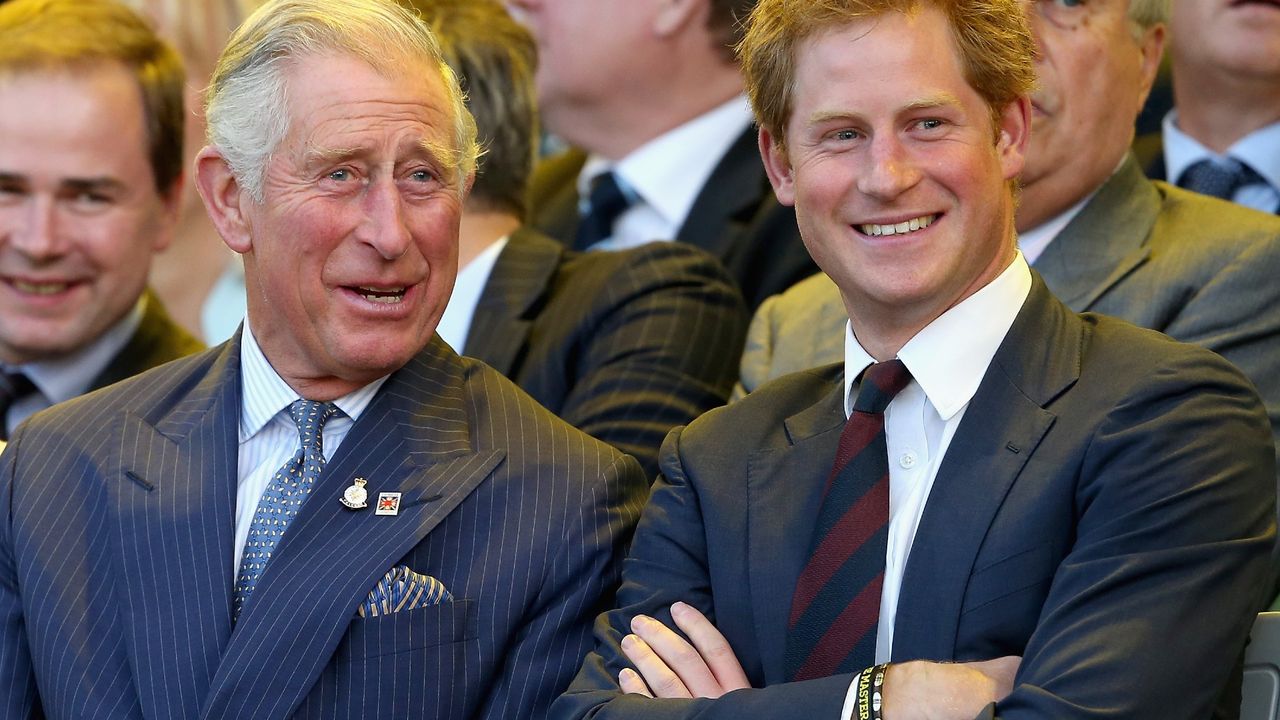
[[1003, 601], [409, 630], [409, 664]]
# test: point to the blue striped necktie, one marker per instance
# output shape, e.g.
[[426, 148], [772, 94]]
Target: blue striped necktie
[[283, 497], [836, 606]]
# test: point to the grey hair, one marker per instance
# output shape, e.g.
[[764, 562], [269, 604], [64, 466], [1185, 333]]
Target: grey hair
[[1146, 14], [246, 103]]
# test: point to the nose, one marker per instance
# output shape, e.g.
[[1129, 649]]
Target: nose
[[385, 227], [891, 172], [35, 233]]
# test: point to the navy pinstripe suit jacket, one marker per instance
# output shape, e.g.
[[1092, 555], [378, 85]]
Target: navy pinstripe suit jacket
[[116, 552]]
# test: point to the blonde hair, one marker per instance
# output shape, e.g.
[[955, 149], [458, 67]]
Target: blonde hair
[[992, 38]]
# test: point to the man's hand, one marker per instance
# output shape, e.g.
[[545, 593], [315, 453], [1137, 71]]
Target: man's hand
[[671, 667], [945, 691]]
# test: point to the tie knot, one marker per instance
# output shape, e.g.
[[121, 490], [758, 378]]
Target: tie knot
[[608, 200], [880, 383], [14, 385], [310, 417], [1220, 180]]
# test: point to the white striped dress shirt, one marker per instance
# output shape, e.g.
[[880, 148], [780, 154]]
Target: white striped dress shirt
[[268, 437]]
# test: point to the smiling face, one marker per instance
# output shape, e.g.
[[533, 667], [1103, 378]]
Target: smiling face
[[898, 179], [1092, 79], [79, 212], [352, 255]]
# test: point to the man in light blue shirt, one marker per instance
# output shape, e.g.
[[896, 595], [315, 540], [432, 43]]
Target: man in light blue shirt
[[1223, 136]]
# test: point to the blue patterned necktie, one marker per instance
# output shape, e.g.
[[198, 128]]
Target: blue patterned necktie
[[1221, 181], [283, 497]]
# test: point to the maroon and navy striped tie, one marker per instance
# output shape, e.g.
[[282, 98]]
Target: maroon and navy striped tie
[[836, 606]]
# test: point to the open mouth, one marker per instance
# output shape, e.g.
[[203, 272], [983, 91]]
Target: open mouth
[[382, 296], [902, 228], [40, 288], [1274, 4]]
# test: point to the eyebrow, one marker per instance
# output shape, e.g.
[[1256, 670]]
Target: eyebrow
[[439, 154], [97, 183], [929, 102]]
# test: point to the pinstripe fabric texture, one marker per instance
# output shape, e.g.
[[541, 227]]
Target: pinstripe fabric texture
[[116, 550], [622, 345]]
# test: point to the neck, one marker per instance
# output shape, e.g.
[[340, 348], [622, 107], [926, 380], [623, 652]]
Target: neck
[[1218, 108], [884, 328], [614, 128], [480, 228]]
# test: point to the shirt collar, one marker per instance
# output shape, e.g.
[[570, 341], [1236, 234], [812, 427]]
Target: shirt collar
[[69, 376], [668, 171], [455, 324], [1260, 150], [264, 394], [1033, 242], [950, 356]]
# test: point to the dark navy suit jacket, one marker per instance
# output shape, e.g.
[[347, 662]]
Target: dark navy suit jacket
[[1104, 511], [116, 523]]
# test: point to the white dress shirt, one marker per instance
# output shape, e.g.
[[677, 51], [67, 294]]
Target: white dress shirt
[[455, 324], [1034, 241], [1259, 150], [947, 360], [63, 378], [666, 174], [268, 436]]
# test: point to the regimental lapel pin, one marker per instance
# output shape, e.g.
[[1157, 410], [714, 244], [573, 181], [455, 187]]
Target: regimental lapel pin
[[388, 504], [356, 497]]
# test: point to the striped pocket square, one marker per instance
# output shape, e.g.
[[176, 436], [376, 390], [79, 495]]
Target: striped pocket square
[[403, 589]]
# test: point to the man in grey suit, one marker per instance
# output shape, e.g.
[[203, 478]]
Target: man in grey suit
[[994, 507], [1103, 237], [331, 515], [90, 189]]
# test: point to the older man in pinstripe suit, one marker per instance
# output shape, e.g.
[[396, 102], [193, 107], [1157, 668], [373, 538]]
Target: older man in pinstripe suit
[[332, 515]]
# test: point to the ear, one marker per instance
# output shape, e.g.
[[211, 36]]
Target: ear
[[672, 15], [170, 212], [1013, 132], [1152, 49], [778, 167], [223, 198]]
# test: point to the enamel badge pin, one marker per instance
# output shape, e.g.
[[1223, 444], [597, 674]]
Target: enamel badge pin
[[388, 504], [356, 497]]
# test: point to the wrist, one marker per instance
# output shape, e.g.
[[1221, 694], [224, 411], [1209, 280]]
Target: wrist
[[871, 693]]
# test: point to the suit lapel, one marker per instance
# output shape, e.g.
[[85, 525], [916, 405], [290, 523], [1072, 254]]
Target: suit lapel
[[504, 316], [1105, 242], [175, 499], [784, 491], [157, 340], [731, 196], [1002, 428], [415, 439], [553, 195]]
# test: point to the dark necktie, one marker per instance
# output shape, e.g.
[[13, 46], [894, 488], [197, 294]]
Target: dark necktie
[[836, 605], [14, 386], [283, 497], [606, 202], [1210, 178]]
